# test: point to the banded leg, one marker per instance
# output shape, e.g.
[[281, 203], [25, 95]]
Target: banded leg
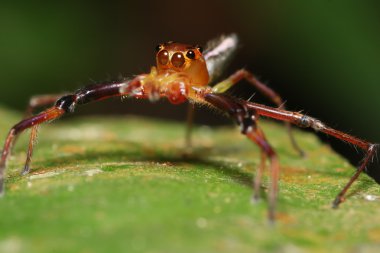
[[63, 105], [262, 88], [245, 118], [305, 121]]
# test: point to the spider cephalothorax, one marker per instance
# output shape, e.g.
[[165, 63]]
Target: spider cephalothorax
[[183, 58]]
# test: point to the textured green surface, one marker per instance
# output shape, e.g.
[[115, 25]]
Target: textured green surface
[[123, 185]]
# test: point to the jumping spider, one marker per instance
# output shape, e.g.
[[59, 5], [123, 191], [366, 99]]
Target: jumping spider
[[184, 73]]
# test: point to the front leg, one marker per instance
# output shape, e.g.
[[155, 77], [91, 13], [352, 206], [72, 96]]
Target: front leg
[[63, 105], [305, 121]]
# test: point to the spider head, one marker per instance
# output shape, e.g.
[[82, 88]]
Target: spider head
[[172, 56]]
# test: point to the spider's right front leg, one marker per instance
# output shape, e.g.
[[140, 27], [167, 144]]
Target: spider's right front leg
[[63, 105]]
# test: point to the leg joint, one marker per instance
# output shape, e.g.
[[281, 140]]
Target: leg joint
[[306, 121], [246, 121], [66, 103], [243, 116]]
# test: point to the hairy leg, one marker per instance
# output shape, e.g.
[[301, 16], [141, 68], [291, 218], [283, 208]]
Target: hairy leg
[[305, 121]]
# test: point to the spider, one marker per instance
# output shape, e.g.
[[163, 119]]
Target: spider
[[184, 73]]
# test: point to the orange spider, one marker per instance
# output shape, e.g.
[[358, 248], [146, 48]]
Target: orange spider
[[184, 73]]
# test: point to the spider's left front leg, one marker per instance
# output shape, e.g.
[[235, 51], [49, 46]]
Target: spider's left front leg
[[246, 119]]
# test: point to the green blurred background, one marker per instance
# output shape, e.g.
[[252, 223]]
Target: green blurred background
[[322, 56]]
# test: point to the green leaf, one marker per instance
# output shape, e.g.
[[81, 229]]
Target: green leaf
[[122, 184]]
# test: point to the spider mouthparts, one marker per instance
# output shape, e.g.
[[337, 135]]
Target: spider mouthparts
[[154, 96]]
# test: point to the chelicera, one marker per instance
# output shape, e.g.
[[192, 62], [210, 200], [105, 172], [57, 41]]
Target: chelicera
[[185, 73]]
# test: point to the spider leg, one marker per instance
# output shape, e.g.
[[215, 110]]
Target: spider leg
[[245, 118], [266, 152], [47, 115], [258, 176], [40, 101], [29, 154], [63, 105], [262, 88], [305, 121], [35, 102]]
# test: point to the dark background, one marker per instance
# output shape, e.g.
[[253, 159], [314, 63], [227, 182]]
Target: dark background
[[323, 57]]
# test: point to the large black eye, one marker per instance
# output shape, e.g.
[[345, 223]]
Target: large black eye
[[163, 57], [158, 48], [178, 60], [190, 54]]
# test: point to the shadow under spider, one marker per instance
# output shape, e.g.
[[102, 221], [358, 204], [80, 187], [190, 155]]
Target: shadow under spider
[[138, 152], [143, 153]]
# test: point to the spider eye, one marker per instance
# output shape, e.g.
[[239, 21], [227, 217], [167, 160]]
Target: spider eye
[[178, 60], [190, 54], [163, 57], [200, 49], [158, 48]]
